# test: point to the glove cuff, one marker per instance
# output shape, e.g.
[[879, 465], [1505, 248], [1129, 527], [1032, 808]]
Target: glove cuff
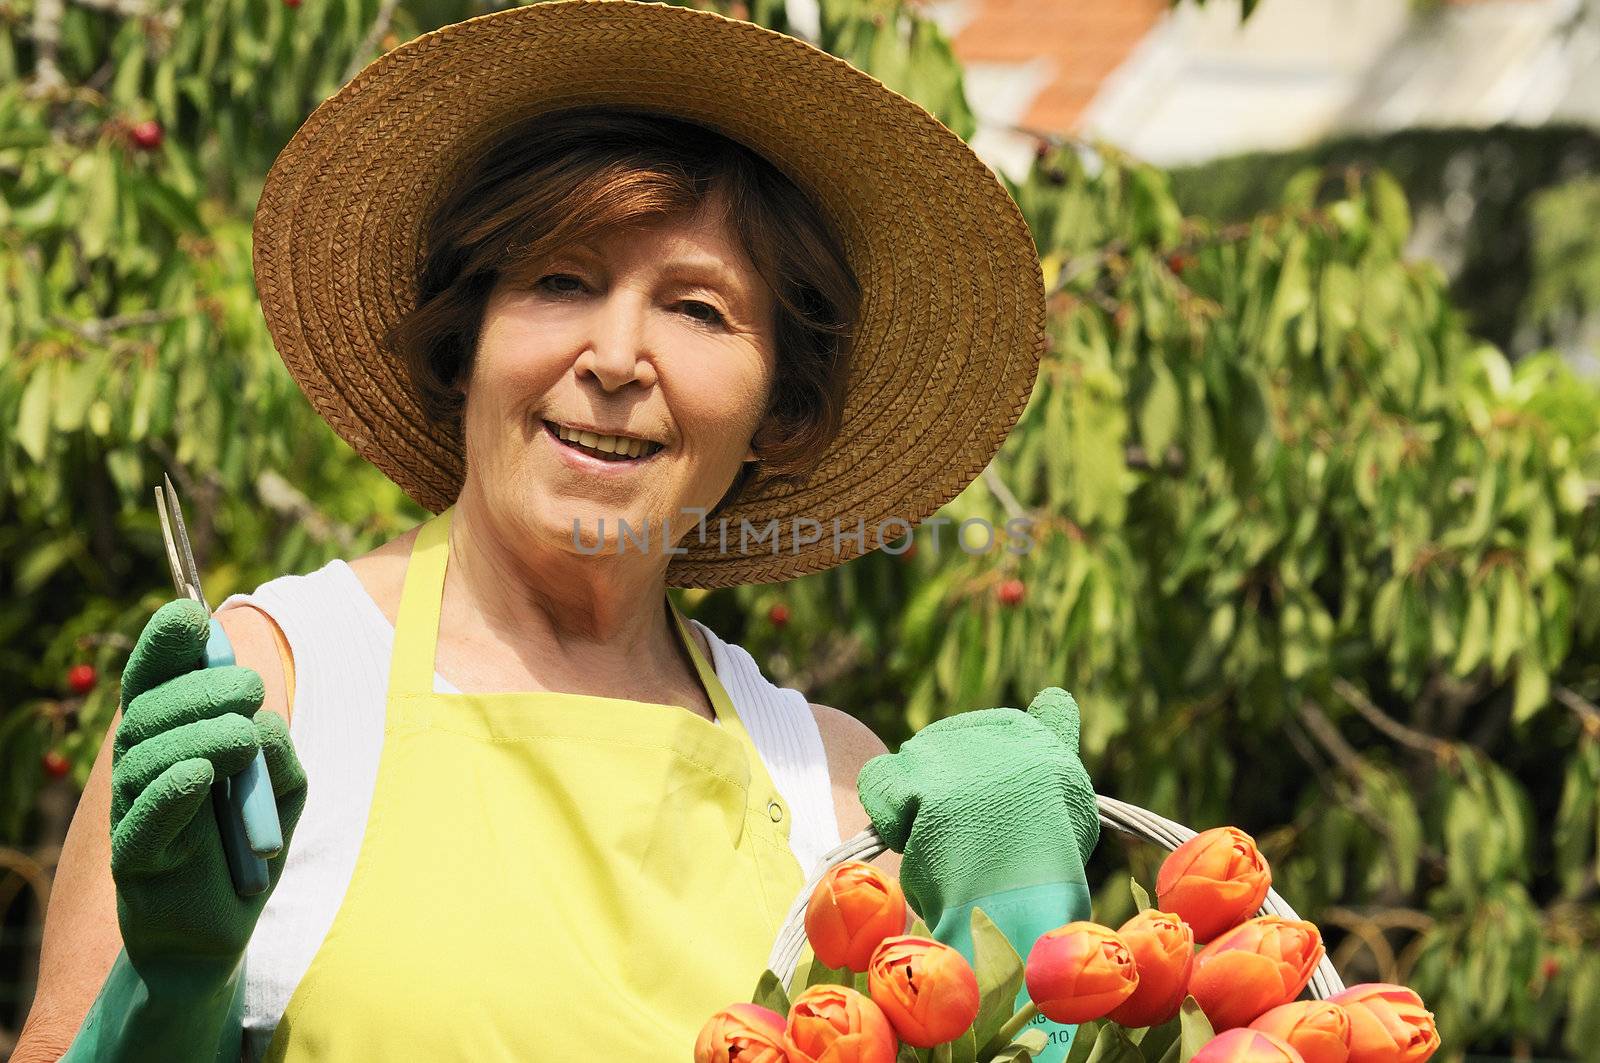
[[161, 1011]]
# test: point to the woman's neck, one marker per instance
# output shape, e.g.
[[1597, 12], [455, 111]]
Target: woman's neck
[[584, 624]]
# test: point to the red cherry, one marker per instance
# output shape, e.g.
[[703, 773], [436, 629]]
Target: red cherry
[[146, 135], [778, 615], [1010, 592], [1177, 262], [81, 678], [55, 765], [291, 3], [1552, 967]]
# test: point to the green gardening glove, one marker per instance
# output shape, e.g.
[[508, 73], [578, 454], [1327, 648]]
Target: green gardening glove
[[991, 809], [175, 991]]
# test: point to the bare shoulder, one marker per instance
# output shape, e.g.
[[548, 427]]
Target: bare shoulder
[[259, 643], [382, 571], [255, 637], [849, 744]]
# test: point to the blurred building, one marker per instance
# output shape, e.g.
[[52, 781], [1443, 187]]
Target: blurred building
[[1200, 84], [1183, 84]]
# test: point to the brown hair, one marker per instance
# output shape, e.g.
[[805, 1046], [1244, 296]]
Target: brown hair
[[567, 176]]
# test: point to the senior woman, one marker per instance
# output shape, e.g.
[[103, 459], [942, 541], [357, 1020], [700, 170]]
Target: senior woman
[[554, 270]]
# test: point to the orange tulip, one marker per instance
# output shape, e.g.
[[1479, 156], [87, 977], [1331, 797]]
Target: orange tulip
[[742, 1033], [1079, 972], [1214, 881], [835, 1024], [1244, 1045], [1259, 964], [926, 988], [1163, 952], [853, 908], [1388, 1024], [1318, 1029]]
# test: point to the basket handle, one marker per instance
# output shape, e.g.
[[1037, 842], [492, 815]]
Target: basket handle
[[1118, 815]]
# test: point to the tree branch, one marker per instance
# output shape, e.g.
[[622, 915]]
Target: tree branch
[[998, 488], [1409, 737], [369, 44], [1587, 712]]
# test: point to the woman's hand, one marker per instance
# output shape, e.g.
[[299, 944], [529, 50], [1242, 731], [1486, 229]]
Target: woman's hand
[[183, 727], [991, 808]]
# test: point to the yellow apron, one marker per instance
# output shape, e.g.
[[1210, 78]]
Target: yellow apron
[[544, 876]]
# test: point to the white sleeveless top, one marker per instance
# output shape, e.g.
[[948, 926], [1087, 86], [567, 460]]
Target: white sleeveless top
[[342, 643]]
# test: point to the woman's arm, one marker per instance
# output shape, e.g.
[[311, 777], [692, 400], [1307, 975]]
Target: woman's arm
[[81, 936], [849, 744]]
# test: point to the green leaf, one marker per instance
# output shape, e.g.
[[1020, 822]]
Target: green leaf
[[964, 1049], [39, 564], [1196, 1029], [1389, 205], [1114, 1046], [1034, 1040], [99, 190], [1000, 975], [769, 993], [1160, 413], [74, 392], [1474, 633], [1532, 687], [1141, 899], [821, 974], [1507, 619], [1083, 1041], [33, 416], [911, 1054]]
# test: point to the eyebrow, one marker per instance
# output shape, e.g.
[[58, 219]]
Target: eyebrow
[[704, 271], [694, 269]]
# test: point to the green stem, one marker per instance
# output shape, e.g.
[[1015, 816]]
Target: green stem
[[1012, 1027]]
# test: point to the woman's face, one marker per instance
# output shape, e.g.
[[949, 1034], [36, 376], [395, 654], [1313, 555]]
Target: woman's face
[[662, 335]]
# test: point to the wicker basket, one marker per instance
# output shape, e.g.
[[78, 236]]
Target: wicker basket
[[1118, 815]]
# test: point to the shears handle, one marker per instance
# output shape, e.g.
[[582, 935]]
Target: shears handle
[[247, 813]]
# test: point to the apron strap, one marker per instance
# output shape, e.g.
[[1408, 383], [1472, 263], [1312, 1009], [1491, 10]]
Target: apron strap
[[416, 634]]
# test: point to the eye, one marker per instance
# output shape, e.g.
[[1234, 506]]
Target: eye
[[705, 313], [545, 282]]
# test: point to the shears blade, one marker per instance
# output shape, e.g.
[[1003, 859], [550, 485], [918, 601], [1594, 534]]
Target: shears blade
[[180, 554]]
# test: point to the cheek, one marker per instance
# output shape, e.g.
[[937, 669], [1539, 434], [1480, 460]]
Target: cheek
[[728, 406]]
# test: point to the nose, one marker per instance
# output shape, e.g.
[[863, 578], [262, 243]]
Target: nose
[[618, 352]]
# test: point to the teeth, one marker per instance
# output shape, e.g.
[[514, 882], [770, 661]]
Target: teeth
[[620, 445]]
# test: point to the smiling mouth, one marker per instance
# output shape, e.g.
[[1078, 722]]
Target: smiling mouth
[[606, 448]]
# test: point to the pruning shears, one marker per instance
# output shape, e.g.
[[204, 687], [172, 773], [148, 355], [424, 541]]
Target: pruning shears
[[247, 813]]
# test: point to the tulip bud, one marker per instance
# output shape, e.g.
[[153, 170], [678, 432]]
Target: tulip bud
[[1214, 881], [1079, 972], [1244, 1045], [853, 908], [742, 1033], [1259, 964], [1163, 953], [835, 1024], [926, 988], [1388, 1024], [1318, 1029]]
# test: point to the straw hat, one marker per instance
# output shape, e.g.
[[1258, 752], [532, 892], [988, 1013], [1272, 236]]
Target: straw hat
[[952, 315]]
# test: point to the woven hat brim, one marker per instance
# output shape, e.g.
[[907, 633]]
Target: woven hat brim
[[952, 319]]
